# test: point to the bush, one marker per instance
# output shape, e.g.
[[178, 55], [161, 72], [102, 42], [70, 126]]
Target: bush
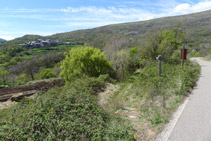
[[194, 53], [3, 76], [22, 79], [47, 73], [87, 61]]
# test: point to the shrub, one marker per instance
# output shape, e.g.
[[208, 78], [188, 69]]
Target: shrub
[[47, 73], [194, 53], [22, 79], [4, 76], [87, 61]]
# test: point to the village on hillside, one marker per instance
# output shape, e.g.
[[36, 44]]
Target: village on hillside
[[45, 43]]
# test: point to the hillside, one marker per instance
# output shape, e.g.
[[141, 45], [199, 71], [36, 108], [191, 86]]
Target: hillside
[[196, 26]]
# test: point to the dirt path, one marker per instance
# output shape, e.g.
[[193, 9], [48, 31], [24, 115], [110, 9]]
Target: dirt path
[[129, 113], [104, 96]]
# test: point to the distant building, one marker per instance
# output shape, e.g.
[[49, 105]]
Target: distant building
[[45, 43]]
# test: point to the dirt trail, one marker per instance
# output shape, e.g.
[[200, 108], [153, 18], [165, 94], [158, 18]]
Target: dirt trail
[[131, 114], [104, 96]]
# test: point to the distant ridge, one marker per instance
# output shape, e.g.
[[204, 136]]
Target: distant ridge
[[196, 26], [2, 40]]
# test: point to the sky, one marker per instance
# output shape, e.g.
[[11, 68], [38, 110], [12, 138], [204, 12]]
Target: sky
[[47, 17]]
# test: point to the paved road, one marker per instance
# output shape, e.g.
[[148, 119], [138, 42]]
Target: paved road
[[194, 123]]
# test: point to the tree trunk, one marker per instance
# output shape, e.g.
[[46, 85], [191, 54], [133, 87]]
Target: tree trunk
[[32, 75]]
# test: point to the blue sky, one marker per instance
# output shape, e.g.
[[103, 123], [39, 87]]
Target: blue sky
[[46, 17]]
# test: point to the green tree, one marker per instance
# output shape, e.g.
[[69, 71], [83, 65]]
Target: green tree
[[4, 76], [164, 43], [88, 61], [47, 73]]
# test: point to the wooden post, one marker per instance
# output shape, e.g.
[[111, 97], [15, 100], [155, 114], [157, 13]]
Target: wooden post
[[183, 55], [159, 64]]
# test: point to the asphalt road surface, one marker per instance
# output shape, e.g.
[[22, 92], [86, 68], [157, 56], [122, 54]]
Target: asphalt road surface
[[194, 124]]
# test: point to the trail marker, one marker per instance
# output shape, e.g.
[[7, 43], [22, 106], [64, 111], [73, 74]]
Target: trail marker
[[159, 58]]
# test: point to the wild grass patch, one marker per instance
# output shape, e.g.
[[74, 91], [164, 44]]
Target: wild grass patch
[[153, 96]]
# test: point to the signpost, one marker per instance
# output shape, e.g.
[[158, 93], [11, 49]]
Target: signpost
[[159, 64]]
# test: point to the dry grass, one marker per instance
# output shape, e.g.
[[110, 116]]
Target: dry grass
[[7, 104]]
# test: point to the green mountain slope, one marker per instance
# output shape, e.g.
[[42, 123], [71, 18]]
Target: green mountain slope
[[196, 26]]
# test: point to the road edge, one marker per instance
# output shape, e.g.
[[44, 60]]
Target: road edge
[[165, 134]]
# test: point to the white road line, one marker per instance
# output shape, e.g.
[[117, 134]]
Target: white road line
[[165, 134]]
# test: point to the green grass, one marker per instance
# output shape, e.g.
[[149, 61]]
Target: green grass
[[2, 43], [153, 96], [26, 57], [41, 50]]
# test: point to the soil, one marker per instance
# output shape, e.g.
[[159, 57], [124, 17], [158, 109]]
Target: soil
[[7, 93]]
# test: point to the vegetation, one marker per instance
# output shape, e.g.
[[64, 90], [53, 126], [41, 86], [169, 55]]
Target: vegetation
[[73, 112], [152, 97], [67, 113], [31, 66], [194, 53], [47, 73], [3, 76], [164, 43], [195, 26], [84, 61]]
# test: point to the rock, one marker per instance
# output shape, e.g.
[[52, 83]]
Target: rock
[[17, 97]]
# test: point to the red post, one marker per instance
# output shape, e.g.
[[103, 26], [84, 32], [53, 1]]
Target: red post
[[183, 55]]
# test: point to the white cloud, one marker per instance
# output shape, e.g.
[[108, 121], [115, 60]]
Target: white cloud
[[187, 8], [84, 14], [88, 17], [182, 8], [7, 37], [103, 15]]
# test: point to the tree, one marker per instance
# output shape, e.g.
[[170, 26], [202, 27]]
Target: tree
[[31, 67], [88, 61], [48, 60], [134, 59], [120, 62], [47, 73], [4, 76], [164, 43]]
